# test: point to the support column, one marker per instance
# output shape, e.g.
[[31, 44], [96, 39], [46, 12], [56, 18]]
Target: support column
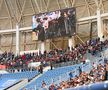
[[71, 42], [99, 24], [17, 39], [42, 47]]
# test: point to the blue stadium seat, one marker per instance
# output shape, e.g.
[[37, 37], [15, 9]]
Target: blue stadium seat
[[52, 76], [20, 75]]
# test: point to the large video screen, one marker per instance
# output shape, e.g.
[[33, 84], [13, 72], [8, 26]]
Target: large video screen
[[59, 23]]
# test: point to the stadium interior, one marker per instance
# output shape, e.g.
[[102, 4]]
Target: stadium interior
[[53, 44]]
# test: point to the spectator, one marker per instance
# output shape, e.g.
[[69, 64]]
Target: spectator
[[44, 87], [52, 87]]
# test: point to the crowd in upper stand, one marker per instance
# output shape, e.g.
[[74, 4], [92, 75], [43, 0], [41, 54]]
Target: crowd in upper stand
[[57, 55]]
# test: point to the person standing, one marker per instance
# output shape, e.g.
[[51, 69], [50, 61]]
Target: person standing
[[51, 65]]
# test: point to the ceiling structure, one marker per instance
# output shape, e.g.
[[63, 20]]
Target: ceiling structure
[[21, 11]]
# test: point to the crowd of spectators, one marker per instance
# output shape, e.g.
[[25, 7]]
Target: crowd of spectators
[[97, 74], [93, 47], [57, 55]]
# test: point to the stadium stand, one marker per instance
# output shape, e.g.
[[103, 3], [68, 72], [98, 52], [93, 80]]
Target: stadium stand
[[56, 76], [61, 75], [54, 45], [92, 47]]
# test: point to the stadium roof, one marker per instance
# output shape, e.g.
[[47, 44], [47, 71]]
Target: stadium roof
[[14, 11]]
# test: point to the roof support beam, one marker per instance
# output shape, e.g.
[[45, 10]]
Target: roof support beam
[[72, 2], [9, 13], [21, 12], [92, 17], [37, 6], [32, 7], [11, 42], [101, 2], [65, 3], [46, 4], [87, 18], [1, 4], [87, 5], [18, 6], [14, 30], [13, 11], [58, 4], [98, 3], [4, 18]]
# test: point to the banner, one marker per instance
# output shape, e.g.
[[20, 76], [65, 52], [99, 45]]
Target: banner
[[2, 67], [34, 64]]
